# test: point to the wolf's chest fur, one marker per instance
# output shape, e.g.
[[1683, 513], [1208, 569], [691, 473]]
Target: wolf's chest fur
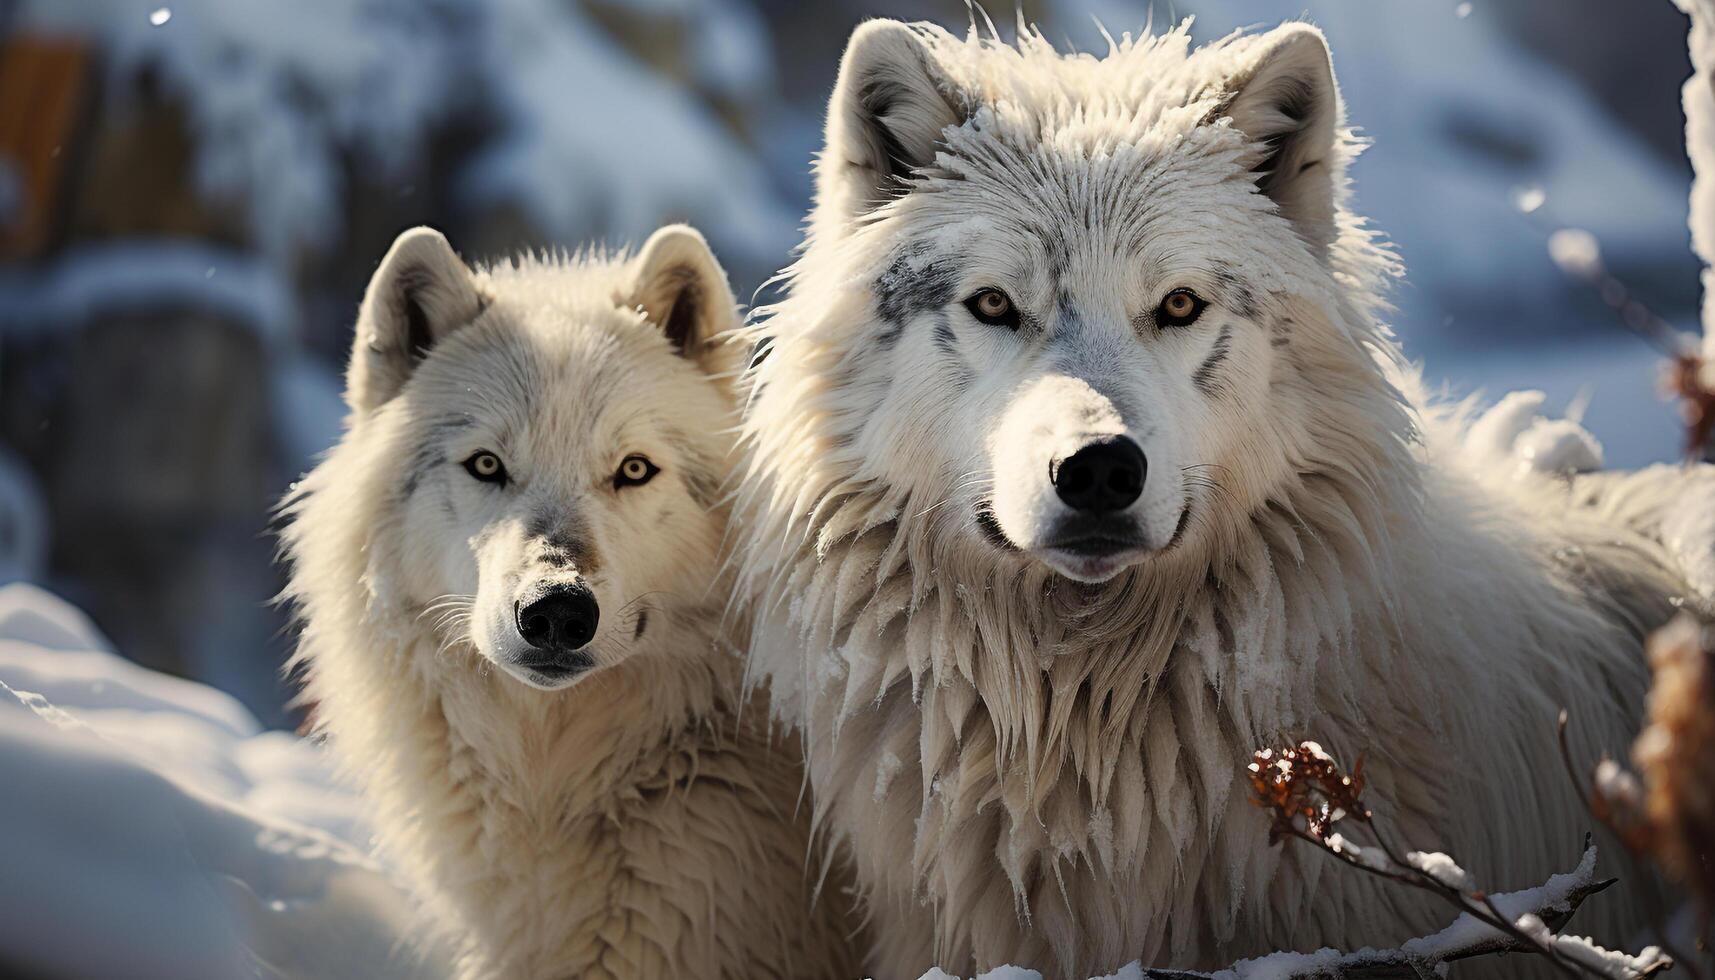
[[607, 835], [581, 849], [1065, 763]]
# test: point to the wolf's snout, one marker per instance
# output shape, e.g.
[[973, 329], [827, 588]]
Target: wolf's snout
[[1102, 477], [560, 620]]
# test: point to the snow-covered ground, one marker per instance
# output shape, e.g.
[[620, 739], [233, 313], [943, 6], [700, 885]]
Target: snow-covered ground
[[150, 828]]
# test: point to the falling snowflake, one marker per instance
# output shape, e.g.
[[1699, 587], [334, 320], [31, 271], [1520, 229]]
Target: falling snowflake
[[160, 15], [1462, 11], [1528, 199]]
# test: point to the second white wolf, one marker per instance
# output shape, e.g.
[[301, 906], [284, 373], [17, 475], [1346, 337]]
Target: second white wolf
[[508, 580]]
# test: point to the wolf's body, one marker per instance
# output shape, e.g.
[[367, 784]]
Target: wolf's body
[[639, 822], [1032, 742]]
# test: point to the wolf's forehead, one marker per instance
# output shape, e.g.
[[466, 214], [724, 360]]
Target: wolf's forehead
[[1154, 84], [1159, 211], [539, 371]]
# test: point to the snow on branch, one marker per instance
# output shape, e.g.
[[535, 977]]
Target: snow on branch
[[1534, 912], [1308, 795]]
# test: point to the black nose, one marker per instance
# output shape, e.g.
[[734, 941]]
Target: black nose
[[1101, 477], [562, 619]]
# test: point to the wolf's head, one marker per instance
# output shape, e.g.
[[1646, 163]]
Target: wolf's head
[[537, 447], [1083, 307]]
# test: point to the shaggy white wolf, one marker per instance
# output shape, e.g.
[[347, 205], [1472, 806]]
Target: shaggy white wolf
[[508, 582], [1080, 464]]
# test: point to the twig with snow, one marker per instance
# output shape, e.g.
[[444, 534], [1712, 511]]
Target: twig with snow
[[1308, 795], [1536, 913]]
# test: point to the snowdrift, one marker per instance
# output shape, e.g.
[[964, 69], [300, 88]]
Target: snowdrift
[[151, 828]]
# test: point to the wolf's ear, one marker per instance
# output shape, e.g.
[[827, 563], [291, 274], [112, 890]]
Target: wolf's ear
[[890, 105], [1283, 97], [420, 293], [682, 289]]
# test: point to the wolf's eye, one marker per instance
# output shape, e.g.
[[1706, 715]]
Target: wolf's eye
[[486, 466], [1180, 308], [634, 471], [993, 307]]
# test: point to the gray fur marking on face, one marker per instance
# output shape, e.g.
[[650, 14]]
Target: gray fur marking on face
[[1237, 293], [700, 481], [947, 343], [431, 452], [912, 285], [1205, 378]]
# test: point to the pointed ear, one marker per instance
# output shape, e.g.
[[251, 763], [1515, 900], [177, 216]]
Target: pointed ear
[[890, 105], [420, 293], [682, 289], [1284, 99]]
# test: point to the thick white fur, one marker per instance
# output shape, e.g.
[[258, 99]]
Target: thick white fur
[[1035, 770], [640, 820]]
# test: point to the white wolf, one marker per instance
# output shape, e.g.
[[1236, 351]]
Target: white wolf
[[1080, 465], [508, 582]]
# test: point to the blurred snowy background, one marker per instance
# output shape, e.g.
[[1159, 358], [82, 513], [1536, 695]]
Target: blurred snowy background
[[193, 193]]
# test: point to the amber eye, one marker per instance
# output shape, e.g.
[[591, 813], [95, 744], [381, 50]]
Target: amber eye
[[634, 471], [1179, 308], [486, 466], [993, 307]]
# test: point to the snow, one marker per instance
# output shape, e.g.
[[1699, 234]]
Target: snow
[[1442, 868], [1529, 199], [1579, 949], [280, 91], [1369, 857], [164, 834], [1577, 253], [146, 274], [621, 164]]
